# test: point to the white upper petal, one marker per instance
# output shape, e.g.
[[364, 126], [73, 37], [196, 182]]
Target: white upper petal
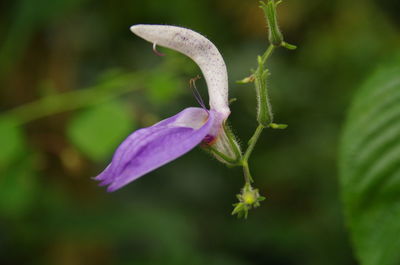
[[200, 50]]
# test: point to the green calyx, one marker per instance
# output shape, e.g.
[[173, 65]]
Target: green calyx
[[226, 148]]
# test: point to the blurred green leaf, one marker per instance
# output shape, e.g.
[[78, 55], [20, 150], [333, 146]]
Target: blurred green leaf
[[370, 168], [11, 141], [98, 131]]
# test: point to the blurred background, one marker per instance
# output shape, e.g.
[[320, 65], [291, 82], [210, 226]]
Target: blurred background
[[75, 82]]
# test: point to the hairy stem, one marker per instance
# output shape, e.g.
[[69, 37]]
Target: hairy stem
[[267, 53], [245, 160]]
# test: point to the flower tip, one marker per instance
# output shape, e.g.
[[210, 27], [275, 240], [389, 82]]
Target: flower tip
[[135, 28], [111, 188], [104, 183]]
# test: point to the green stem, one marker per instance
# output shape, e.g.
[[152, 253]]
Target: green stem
[[76, 99], [264, 102], [267, 53], [252, 142], [245, 160], [246, 172]]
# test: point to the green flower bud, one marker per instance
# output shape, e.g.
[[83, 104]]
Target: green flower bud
[[275, 36], [249, 198]]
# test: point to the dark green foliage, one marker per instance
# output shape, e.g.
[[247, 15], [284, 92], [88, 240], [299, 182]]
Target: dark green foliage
[[370, 168]]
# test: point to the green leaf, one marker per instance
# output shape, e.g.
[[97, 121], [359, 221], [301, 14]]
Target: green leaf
[[99, 130], [370, 168], [277, 126], [12, 141]]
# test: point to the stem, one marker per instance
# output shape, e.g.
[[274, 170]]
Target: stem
[[264, 103], [76, 99], [252, 142], [246, 172], [245, 160], [267, 53]]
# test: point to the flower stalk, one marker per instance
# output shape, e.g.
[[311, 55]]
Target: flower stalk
[[249, 197]]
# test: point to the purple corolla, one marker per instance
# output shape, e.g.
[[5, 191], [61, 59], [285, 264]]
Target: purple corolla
[[149, 148]]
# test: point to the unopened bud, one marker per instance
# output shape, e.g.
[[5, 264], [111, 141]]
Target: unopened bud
[[275, 36], [249, 198]]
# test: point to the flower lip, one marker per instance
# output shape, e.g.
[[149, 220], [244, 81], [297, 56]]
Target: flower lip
[[202, 51], [149, 148]]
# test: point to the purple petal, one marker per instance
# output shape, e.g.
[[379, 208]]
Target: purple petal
[[149, 148]]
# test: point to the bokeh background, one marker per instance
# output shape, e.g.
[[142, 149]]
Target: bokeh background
[[75, 82]]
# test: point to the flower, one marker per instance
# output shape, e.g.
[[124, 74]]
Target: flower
[[149, 148]]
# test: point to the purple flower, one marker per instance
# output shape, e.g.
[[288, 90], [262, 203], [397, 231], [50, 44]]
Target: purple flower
[[149, 148]]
